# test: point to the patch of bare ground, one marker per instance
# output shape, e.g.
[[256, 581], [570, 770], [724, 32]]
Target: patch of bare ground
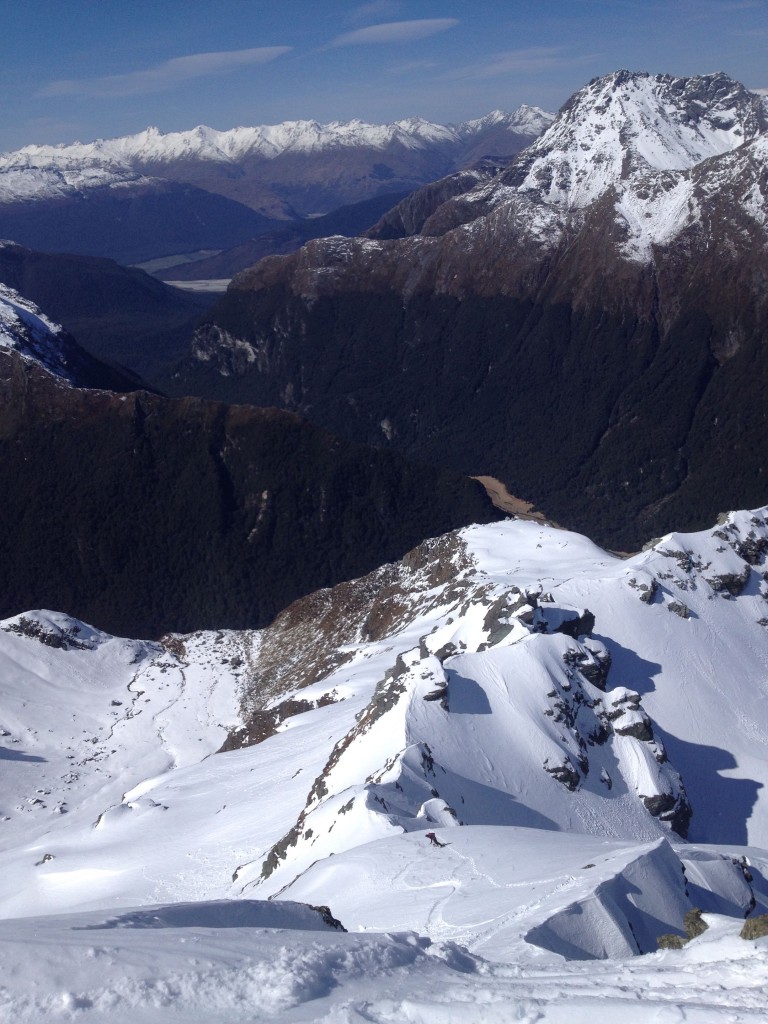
[[520, 509], [517, 507]]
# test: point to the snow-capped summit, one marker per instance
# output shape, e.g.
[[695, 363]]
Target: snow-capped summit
[[266, 141], [35, 170], [157, 193], [617, 265], [630, 122], [525, 120]]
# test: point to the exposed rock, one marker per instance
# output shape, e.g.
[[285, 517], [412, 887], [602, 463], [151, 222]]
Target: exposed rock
[[328, 918], [564, 773], [647, 590], [263, 723], [694, 923], [594, 663], [387, 694], [53, 636], [641, 729], [755, 927], [731, 583], [679, 608]]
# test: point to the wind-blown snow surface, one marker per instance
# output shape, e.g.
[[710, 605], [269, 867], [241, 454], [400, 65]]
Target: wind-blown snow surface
[[92, 968], [566, 771]]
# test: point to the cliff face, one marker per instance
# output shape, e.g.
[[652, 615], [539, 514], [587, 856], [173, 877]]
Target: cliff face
[[145, 515], [587, 325]]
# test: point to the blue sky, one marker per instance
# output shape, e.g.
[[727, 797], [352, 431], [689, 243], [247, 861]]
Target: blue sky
[[84, 69]]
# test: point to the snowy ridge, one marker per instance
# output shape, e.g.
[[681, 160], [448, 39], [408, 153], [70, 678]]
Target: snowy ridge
[[630, 121], [651, 154], [45, 171], [26, 330], [31, 181], [549, 710], [649, 143], [414, 729], [509, 654], [526, 120]]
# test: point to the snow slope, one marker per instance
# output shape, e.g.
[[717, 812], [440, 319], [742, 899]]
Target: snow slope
[[655, 147], [499, 891], [28, 333], [440, 693], [93, 968], [25, 329]]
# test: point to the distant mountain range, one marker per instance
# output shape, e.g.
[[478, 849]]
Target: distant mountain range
[[587, 323], [155, 194]]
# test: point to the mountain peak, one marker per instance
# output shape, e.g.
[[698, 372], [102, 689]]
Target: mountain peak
[[525, 120], [629, 122]]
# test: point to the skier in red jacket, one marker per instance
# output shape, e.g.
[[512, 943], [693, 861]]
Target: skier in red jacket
[[434, 840]]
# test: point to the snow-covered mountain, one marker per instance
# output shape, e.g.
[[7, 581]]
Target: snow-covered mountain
[[26, 330], [552, 712], [618, 266], [639, 137], [156, 195], [27, 333], [42, 171], [226, 185], [508, 675]]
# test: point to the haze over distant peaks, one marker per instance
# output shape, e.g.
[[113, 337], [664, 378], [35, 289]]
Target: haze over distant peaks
[[154, 195], [35, 170]]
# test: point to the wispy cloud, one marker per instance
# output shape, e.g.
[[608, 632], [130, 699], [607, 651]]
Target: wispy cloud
[[375, 9], [169, 75], [395, 32], [519, 62]]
